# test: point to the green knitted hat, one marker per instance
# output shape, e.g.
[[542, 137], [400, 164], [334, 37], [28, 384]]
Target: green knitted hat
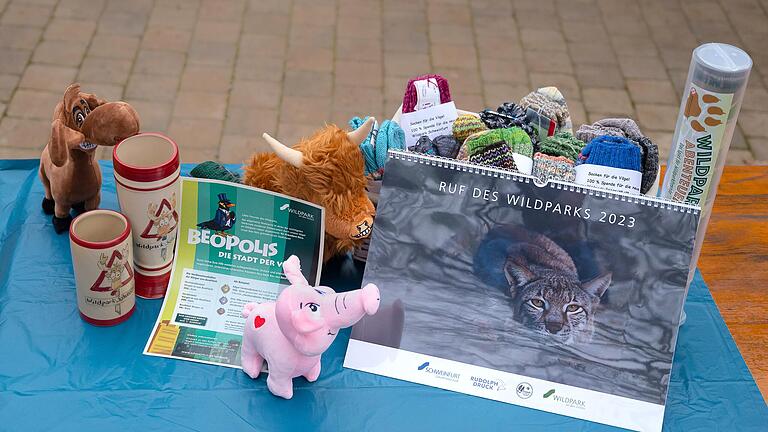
[[466, 125], [562, 144], [516, 139]]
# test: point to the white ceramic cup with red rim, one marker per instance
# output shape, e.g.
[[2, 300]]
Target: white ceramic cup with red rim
[[100, 242], [147, 179]]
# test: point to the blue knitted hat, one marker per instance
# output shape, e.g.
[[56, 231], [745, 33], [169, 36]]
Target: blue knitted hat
[[612, 151], [390, 136]]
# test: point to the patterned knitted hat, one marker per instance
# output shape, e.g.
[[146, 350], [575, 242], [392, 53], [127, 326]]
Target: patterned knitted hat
[[214, 170], [546, 167], [424, 145], [495, 154], [625, 127], [446, 146], [515, 138], [423, 91], [466, 125], [612, 151], [547, 112], [562, 144], [509, 115]]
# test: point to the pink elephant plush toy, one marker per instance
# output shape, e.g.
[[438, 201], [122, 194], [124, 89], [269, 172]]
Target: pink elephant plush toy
[[292, 333]]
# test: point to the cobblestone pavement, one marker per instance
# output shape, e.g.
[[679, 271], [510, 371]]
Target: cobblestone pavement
[[216, 74]]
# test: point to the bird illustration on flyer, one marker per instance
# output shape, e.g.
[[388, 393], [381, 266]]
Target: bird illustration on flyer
[[231, 245]]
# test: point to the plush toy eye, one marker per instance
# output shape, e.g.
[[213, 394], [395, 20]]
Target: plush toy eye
[[78, 116], [313, 306], [573, 308], [537, 303], [86, 108]]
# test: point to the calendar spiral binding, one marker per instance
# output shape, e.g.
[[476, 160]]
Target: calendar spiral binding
[[473, 168]]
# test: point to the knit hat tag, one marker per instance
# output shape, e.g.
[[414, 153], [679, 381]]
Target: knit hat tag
[[609, 178], [524, 163], [427, 93]]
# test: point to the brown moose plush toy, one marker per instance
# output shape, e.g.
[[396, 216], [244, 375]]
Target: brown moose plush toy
[[68, 170]]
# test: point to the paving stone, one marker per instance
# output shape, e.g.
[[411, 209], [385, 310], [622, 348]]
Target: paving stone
[[759, 148], [601, 100], [657, 116], [211, 54], [200, 105], [256, 45], [592, 53], [405, 64], [578, 113], [259, 69], [176, 18], [47, 77], [361, 28], [14, 61], [356, 73], [543, 40], [290, 133], [605, 76], [217, 31], [112, 46], [495, 94], [8, 85], [255, 94], [33, 104], [313, 36], [502, 71], [29, 15], [452, 14], [250, 122], [166, 39], [652, 91], [753, 123], [195, 134], [222, 10], [547, 62], [272, 24], [463, 80], [739, 157], [305, 110], [469, 101], [206, 79], [199, 154], [102, 70], [154, 116], [69, 30], [109, 92], [152, 87], [25, 133], [364, 50], [311, 59], [566, 83], [159, 63], [238, 149], [308, 83], [21, 37], [360, 101], [494, 47], [642, 67], [79, 9], [451, 34], [59, 53]]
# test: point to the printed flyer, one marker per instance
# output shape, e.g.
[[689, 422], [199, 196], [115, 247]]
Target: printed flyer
[[554, 297], [231, 245]]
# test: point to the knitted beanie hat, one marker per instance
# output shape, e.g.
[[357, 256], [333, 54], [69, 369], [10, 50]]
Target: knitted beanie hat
[[562, 144], [421, 92], [625, 127], [424, 145], [389, 136], [466, 125], [547, 112], [546, 167], [509, 115], [612, 151], [214, 170], [496, 154], [515, 138], [446, 146]]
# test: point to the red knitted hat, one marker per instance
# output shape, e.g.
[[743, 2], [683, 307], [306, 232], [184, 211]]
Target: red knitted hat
[[421, 92]]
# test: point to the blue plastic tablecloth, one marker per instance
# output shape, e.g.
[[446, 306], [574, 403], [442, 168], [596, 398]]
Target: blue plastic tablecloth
[[59, 373]]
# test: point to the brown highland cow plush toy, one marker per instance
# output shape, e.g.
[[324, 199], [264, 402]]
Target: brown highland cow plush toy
[[70, 175], [325, 169]]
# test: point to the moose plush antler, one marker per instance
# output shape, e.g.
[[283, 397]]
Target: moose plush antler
[[69, 173], [326, 169]]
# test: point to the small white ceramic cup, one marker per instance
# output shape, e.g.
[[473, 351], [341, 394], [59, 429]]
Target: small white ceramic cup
[[100, 242], [147, 179]]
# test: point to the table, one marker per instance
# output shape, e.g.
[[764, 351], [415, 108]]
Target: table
[[59, 373], [734, 262]]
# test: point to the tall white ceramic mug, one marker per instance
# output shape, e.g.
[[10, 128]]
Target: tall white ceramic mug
[[147, 179], [100, 242]]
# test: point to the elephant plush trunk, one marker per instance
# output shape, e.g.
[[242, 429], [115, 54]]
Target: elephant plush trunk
[[350, 307]]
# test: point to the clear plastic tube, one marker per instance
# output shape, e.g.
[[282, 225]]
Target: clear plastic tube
[[717, 79]]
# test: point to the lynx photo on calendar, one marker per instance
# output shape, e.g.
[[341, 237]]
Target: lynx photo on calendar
[[557, 298]]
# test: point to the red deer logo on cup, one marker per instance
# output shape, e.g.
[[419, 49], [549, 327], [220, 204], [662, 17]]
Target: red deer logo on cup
[[117, 270], [163, 219]]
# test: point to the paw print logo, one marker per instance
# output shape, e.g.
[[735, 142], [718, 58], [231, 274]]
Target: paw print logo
[[702, 111]]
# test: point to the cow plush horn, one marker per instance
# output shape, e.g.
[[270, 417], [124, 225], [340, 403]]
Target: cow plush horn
[[358, 135], [292, 156]]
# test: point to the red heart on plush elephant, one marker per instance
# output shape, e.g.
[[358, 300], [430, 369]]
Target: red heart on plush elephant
[[258, 321]]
